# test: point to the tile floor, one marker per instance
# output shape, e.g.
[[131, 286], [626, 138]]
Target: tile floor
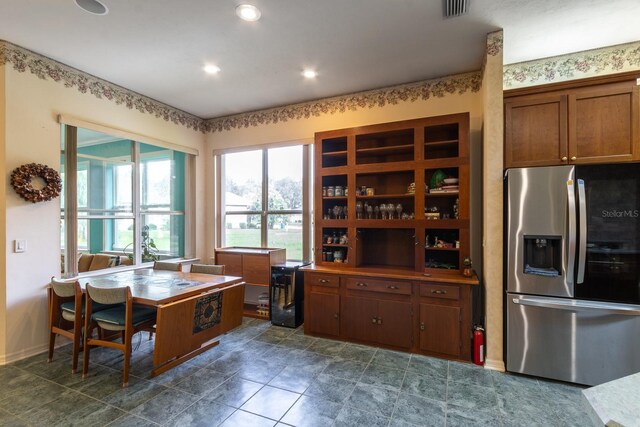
[[263, 375]]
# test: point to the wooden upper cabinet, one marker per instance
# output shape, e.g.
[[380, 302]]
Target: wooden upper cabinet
[[603, 124], [576, 123], [536, 131]]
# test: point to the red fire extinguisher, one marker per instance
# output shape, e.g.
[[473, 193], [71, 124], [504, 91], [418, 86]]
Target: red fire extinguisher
[[478, 345]]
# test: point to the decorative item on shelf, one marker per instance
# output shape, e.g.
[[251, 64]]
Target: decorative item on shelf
[[370, 191], [426, 242], [363, 190], [263, 304], [399, 210], [359, 208], [331, 191], [369, 209], [456, 209], [21, 182], [457, 244], [338, 256], [467, 271], [411, 188], [346, 191], [437, 179], [431, 213], [329, 240], [376, 211], [324, 191], [344, 239], [339, 191]]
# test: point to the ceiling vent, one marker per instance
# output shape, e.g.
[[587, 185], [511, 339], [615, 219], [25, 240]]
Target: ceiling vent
[[453, 8]]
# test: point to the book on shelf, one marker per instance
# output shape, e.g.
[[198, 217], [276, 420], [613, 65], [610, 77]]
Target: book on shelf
[[443, 190]]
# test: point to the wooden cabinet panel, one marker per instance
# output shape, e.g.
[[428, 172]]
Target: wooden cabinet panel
[[440, 329], [440, 291], [378, 285], [536, 131], [257, 269], [359, 318], [395, 323], [232, 263], [603, 124], [322, 314]]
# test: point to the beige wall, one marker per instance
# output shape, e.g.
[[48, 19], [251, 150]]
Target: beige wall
[[33, 135], [492, 208], [3, 249]]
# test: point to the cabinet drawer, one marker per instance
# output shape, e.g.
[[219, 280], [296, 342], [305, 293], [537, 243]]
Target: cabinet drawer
[[326, 280], [377, 285], [440, 291]]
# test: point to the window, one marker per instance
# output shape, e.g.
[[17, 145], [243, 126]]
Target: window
[[262, 196], [105, 215]]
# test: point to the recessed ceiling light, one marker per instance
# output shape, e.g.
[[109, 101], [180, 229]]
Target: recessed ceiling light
[[92, 6], [248, 12], [310, 74], [211, 69]]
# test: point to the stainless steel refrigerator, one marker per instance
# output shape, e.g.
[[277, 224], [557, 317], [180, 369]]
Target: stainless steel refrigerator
[[573, 272]]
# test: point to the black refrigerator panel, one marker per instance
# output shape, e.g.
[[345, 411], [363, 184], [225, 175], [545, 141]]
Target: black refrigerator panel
[[287, 294], [609, 215]]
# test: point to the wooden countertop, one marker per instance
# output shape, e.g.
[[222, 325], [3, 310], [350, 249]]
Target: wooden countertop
[[242, 250], [392, 273]]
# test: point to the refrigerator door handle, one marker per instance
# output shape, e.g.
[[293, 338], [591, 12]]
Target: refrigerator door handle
[[582, 242], [571, 234], [595, 307]]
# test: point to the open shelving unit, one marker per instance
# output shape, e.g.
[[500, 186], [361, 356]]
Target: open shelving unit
[[406, 221]]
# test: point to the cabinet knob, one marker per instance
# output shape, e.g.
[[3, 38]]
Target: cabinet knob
[[393, 287], [438, 291], [323, 281], [573, 157], [335, 316], [374, 320], [422, 326], [564, 158], [362, 285], [379, 321]]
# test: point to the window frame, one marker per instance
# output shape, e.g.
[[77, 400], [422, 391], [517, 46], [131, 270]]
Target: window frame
[[69, 213], [264, 212]]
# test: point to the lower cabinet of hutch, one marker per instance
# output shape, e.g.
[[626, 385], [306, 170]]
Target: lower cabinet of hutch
[[421, 317]]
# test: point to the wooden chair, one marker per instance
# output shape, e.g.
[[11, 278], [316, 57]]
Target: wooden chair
[[124, 317], [64, 319], [207, 269], [169, 266]]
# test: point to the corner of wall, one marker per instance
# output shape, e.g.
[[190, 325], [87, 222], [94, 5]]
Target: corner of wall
[[492, 136], [3, 222]]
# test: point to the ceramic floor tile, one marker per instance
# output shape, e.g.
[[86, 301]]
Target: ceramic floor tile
[[27, 399], [296, 341], [176, 375], [55, 411], [312, 412], [391, 359], [350, 417], [471, 396], [432, 387], [361, 353], [244, 419], [431, 366], [330, 388], [382, 376], [128, 420], [15, 381], [271, 402], [293, 379], [8, 420], [93, 414], [458, 416], [234, 392], [326, 347], [202, 381], [420, 411], [471, 374], [164, 406], [135, 394], [374, 400], [260, 369], [347, 369], [202, 413]]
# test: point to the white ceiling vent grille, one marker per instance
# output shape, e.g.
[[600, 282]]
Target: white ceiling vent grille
[[453, 8]]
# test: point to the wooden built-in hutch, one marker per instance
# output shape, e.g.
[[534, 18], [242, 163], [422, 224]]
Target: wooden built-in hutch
[[392, 220]]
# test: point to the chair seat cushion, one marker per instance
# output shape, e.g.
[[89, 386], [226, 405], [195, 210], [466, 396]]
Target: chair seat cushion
[[116, 315], [70, 306]]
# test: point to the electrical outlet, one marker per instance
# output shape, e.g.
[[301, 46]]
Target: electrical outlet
[[19, 246]]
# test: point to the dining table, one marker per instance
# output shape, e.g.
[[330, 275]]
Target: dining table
[[193, 309]]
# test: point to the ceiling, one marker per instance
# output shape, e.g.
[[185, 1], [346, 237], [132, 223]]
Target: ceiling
[[158, 47]]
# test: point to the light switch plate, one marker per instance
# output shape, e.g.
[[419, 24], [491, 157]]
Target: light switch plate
[[19, 246]]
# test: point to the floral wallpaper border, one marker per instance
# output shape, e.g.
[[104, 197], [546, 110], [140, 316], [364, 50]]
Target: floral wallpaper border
[[589, 63], [436, 88], [495, 42], [22, 59]]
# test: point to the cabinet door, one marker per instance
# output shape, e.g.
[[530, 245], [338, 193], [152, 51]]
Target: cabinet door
[[359, 318], [232, 263], [440, 329], [603, 124], [256, 269], [535, 131], [323, 314], [395, 327]]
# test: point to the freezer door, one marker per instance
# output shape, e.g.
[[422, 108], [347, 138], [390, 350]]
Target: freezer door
[[585, 342], [541, 230]]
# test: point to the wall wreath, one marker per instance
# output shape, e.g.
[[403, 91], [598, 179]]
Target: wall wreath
[[21, 182]]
